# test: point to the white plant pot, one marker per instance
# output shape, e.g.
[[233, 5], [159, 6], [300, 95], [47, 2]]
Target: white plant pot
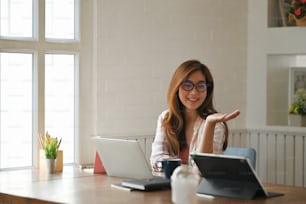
[[297, 120], [51, 166]]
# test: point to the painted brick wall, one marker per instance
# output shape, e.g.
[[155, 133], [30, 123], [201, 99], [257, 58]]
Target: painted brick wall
[[140, 43]]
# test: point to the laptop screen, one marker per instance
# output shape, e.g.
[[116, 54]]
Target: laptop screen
[[122, 158]]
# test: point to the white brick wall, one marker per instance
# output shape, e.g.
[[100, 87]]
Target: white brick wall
[[140, 43]]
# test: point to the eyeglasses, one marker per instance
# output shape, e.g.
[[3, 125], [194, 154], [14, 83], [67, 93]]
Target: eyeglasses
[[200, 87]]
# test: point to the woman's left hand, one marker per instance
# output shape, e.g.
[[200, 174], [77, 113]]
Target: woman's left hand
[[222, 117]]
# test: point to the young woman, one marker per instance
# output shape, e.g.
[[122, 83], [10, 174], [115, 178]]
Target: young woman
[[191, 124]]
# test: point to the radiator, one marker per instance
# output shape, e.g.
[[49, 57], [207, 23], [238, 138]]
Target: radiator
[[280, 156]]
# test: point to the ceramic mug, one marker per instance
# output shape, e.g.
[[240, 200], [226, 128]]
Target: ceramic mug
[[168, 166]]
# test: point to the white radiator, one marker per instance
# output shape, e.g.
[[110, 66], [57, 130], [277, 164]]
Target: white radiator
[[280, 156]]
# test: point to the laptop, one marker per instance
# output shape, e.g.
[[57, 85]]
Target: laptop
[[229, 176], [125, 159]]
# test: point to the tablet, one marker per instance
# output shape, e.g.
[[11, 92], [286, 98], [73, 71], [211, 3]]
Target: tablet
[[229, 176]]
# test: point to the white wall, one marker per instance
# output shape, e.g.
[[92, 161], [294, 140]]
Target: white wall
[[278, 87], [137, 45], [85, 120], [266, 45], [141, 42]]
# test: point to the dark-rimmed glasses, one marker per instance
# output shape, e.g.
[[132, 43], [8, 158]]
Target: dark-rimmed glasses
[[200, 86]]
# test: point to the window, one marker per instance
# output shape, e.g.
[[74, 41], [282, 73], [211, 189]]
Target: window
[[59, 19], [16, 18], [37, 87], [16, 109], [59, 99]]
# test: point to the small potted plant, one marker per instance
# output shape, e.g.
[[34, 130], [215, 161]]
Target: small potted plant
[[50, 145], [298, 107]]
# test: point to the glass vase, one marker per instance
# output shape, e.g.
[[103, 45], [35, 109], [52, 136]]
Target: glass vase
[[184, 183]]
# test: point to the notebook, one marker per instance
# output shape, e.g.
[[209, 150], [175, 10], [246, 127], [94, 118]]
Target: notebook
[[229, 176], [126, 159]]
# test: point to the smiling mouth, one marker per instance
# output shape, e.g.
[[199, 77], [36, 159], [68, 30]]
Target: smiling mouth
[[192, 99]]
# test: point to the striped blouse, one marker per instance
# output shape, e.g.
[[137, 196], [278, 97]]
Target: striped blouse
[[160, 149]]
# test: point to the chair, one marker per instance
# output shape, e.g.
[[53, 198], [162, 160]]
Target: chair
[[248, 152]]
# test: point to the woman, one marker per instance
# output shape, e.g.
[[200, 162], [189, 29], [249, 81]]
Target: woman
[[191, 124]]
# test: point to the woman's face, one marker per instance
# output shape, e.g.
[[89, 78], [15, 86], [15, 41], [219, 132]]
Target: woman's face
[[193, 91]]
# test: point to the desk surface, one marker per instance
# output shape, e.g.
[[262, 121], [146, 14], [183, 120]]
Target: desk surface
[[76, 186]]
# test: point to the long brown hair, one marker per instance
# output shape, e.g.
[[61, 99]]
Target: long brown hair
[[173, 123]]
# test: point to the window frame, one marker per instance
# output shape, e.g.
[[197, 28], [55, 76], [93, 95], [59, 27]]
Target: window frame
[[39, 46]]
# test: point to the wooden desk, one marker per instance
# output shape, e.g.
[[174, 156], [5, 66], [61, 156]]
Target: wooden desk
[[79, 187]]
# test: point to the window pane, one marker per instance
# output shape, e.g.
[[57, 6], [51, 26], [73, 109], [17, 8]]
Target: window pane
[[16, 18], [60, 19], [59, 101], [16, 110]]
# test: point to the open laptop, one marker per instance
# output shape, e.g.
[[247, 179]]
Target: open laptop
[[229, 176], [126, 159]]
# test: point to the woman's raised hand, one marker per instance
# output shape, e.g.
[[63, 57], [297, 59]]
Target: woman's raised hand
[[222, 117]]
